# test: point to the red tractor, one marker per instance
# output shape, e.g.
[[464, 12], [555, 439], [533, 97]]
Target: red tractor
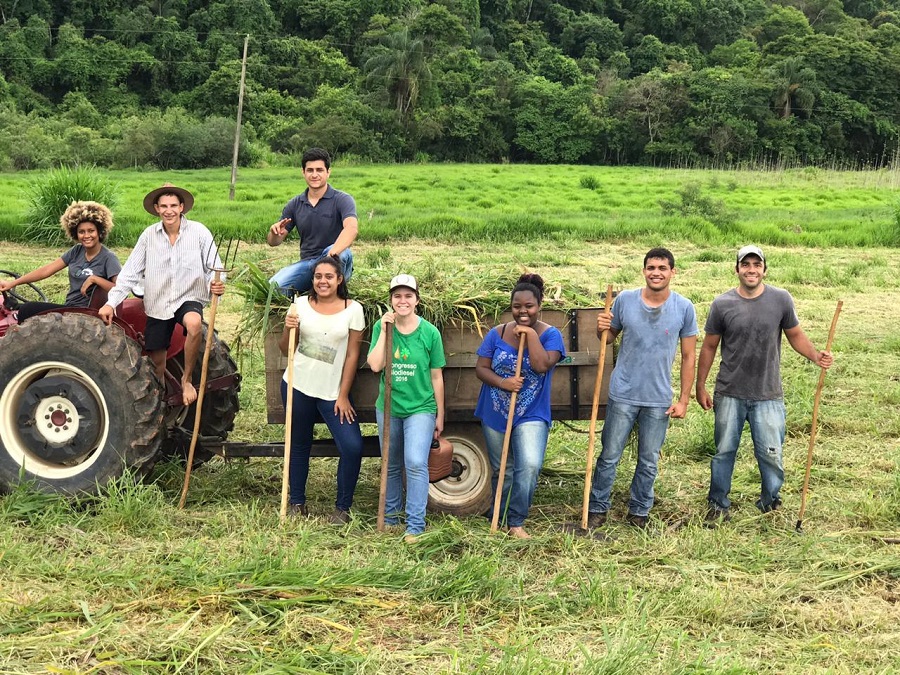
[[80, 402]]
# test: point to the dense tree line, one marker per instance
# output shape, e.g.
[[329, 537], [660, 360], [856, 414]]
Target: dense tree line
[[155, 82]]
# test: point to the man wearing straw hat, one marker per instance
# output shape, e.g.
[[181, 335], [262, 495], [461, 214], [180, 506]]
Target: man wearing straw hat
[[654, 322], [174, 259], [324, 218], [748, 322]]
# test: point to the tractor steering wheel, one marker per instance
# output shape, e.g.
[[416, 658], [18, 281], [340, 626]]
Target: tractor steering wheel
[[19, 298]]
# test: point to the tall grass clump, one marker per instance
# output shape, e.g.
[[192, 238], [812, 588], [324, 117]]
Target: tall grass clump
[[693, 202], [50, 195], [589, 182]]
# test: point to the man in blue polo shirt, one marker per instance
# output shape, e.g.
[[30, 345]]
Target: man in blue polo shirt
[[324, 217]]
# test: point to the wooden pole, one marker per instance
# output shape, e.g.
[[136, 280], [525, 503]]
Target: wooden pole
[[201, 393], [815, 419], [595, 407], [288, 414], [386, 432], [237, 129], [504, 455]]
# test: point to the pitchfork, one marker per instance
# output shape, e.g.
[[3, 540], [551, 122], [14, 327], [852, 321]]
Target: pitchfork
[[211, 263]]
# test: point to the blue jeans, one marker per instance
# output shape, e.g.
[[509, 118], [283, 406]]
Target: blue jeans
[[767, 428], [410, 446], [347, 437], [527, 445], [297, 278], [620, 419]]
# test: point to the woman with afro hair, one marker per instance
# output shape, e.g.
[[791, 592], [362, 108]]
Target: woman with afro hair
[[89, 262]]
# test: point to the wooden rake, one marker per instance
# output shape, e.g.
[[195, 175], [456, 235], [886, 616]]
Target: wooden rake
[[212, 262], [815, 419], [504, 455], [288, 415], [386, 432]]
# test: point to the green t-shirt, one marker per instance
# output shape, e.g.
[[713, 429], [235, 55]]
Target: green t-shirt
[[415, 355]]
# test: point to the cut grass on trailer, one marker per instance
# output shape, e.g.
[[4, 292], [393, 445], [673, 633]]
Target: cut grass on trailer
[[128, 583]]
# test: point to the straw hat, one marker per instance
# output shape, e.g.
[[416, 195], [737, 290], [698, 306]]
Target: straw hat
[[168, 189]]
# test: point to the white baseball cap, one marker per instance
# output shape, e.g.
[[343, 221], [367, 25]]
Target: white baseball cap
[[407, 280], [750, 250]]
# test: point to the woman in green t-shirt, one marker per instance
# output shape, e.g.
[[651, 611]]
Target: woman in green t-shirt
[[417, 401]]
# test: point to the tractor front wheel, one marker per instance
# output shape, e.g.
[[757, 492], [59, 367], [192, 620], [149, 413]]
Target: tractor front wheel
[[79, 405]]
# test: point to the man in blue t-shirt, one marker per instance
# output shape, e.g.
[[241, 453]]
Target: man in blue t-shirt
[[653, 320], [326, 220], [748, 321]]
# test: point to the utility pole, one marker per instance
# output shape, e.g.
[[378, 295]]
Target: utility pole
[[237, 129]]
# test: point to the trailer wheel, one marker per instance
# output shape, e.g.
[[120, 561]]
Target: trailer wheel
[[467, 490], [79, 405]]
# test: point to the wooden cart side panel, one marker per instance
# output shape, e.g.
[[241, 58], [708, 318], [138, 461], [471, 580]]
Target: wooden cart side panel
[[571, 393]]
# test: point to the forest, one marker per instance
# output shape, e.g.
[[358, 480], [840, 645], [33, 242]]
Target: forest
[[716, 83]]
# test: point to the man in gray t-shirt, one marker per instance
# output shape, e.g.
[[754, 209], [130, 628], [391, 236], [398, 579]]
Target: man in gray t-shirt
[[324, 218], [748, 321], [654, 322]]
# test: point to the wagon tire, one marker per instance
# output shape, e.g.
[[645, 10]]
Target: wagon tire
[[79, 405], [466, 491]]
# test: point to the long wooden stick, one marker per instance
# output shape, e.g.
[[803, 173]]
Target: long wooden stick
[[815, 418], [595, 406], [288, 414], [386, 432], [504, 455], [201, 393]]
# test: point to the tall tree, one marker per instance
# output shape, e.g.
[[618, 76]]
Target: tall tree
[[401, 69]]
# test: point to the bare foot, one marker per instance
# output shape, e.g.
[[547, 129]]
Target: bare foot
[[518, 533], [188, 393]]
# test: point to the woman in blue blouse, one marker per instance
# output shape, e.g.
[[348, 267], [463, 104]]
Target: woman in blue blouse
[[496, 368]]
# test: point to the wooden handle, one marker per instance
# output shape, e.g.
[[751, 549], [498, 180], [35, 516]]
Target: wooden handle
[[815, 416], [595, 406], [506, 437], [288, 415], [201, 393], [386, 431]]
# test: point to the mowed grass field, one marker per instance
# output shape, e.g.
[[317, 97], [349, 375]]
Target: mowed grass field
[[128, 583]]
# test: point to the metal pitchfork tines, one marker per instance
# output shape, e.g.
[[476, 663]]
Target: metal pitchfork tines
[[212, 262]]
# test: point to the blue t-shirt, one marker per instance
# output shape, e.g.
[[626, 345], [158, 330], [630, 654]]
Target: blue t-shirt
[[319, 226], [650, 337], [533, 401]]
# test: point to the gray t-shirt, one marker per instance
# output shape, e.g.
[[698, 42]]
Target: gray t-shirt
[[105, 265], [650, 337], [319, 226], [751, 330]]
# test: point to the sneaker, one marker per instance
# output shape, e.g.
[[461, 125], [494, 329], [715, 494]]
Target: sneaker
[[596, 520], [716, 516], [518, 532], [298, 510], [339, 517], [637, 521]]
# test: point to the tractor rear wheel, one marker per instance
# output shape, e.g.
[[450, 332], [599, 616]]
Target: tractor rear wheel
[[79, 405], [220, 406]]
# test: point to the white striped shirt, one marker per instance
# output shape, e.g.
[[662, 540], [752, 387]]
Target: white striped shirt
[[171, 274]]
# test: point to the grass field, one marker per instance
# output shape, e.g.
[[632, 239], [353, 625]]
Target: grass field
[[129, 583], [455, 203]]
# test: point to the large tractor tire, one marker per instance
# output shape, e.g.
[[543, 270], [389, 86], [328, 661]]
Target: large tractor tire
[[79, 405], [467, 490], [220, 406]]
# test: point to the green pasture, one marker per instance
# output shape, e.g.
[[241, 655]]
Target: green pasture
[[465, 202], [127, 583]]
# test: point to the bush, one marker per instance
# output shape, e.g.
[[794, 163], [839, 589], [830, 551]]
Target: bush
[[50, 195], [692, 202], [589, 182]]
